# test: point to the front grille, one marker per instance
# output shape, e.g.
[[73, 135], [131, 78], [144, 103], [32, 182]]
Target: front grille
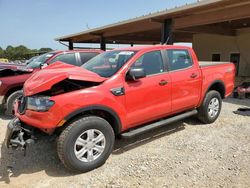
[[22, 102]]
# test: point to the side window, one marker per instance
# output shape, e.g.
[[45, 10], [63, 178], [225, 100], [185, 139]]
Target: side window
[[151, 62], [179, 59], [68, 58], [85, 56]]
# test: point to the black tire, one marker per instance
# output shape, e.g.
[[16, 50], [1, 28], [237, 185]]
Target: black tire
[[203, 110], [68, 137], [11, 100]]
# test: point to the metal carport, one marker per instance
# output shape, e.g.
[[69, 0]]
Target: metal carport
[[174, 25], [206, 22]]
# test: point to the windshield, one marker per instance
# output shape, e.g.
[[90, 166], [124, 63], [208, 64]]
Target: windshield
[[30, 60], [37, 62], [108, 63]]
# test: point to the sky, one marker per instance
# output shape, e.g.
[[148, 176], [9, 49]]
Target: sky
[[36, 23]]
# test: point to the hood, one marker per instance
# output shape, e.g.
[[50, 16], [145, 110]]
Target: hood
[[44, 79], [14, 67]]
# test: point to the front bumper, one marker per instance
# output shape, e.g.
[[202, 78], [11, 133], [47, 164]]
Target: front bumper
[[45, 121], [17, 136]]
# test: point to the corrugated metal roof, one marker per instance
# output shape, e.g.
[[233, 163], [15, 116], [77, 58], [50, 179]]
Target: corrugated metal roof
[[166, 12]]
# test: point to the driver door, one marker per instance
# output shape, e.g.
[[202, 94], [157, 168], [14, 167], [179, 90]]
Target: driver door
[[148, 98]]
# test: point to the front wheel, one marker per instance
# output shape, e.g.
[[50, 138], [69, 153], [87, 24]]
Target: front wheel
[[86, 144], [210, 109]]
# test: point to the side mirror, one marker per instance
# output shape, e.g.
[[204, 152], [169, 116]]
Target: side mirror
[[135, 74], [43, 65]]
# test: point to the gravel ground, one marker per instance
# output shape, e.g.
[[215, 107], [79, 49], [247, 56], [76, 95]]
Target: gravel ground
[[184, 154]]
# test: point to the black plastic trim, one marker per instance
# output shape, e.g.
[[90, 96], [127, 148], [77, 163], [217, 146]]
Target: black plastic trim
[[215, 82], [119, 91], [97, 107], [158, 124]]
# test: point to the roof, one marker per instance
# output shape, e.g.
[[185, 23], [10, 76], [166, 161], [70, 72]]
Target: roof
[[147, 29], [76, 50], [152, 47]]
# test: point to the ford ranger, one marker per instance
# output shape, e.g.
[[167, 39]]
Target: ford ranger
[[121, 92]]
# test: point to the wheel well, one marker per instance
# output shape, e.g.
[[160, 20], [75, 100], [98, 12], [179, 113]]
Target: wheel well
[[108, 116], [218, 86], [12, 90]]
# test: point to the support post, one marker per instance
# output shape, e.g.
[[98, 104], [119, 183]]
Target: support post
[[71, 46], [102, 43], [167, 36]]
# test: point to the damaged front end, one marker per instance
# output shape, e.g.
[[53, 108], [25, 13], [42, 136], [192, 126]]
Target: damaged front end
[[66, 86], [4, 72], [18, 136]]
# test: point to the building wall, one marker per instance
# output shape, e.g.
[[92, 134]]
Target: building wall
[[206, 44]]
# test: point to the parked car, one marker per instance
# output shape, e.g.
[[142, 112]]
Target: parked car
[[242, 91], [30, 60], [13, 76], [4, 60], [126, 91]]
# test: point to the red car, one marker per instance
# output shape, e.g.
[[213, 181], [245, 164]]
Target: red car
[[126, 91], [12, 76]]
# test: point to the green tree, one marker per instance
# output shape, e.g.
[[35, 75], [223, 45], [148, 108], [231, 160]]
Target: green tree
[[10, 52], [2, 55], [45, 49], [21, 52]]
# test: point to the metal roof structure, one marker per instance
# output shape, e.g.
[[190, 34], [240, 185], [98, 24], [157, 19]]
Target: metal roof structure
[[222, 17]]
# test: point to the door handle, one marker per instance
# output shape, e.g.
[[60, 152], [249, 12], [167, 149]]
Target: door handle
[[193, 75], [163, 82]]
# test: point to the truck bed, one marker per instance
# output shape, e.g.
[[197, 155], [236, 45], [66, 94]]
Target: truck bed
[[211, 63], [217, 71]]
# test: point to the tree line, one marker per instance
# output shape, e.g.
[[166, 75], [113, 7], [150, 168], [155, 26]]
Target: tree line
[[21, 52]]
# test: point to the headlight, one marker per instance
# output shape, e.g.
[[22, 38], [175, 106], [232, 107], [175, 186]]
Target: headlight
[[39, 103]]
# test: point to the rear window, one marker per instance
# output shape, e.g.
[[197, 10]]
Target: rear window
[[179, 59]]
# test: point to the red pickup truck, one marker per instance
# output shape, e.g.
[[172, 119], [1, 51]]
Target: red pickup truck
[[120, 92], [13, 76]]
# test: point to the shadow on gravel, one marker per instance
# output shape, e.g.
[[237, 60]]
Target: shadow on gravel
[[240, 102], [5, 117], [125, 144], [41, 156]]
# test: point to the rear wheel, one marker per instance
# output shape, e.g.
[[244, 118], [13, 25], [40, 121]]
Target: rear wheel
[[11, 101], [210, 109], [86, 143]]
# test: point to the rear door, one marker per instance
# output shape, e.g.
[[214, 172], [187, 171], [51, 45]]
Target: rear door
[[85, 56], [186, 79], [148, 98]]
